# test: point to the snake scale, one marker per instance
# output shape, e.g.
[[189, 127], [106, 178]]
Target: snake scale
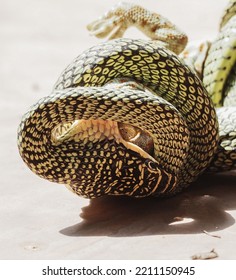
[[130, 117]]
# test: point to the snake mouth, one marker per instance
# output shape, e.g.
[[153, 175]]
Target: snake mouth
[[85, 131]]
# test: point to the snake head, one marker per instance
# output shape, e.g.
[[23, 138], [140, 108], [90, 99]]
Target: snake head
[[123, 173], [113, 159]]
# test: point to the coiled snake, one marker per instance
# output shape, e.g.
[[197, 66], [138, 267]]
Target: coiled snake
[[130, 117]]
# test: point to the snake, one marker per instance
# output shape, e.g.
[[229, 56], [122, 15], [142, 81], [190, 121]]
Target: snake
[[130, 116]]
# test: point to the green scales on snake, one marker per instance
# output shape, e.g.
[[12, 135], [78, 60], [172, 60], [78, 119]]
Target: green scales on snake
[[130, 117]]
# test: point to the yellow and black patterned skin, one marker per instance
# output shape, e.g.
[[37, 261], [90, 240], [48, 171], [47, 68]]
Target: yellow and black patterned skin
[[129, 117], [176, 111], [219, 78], [219, 64]]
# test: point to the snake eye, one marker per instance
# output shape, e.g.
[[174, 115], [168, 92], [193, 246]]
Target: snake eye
[[137, 136], [128, 132]]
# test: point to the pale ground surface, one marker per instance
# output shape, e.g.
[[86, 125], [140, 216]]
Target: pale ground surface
[[42, 220]]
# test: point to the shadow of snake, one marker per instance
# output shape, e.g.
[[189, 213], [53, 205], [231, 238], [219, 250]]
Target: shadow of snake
[[204, 206]]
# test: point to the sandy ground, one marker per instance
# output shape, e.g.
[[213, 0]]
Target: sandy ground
[[42, 220]]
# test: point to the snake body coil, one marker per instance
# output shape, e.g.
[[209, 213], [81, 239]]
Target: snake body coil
[[184, 133], [129, 117]]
